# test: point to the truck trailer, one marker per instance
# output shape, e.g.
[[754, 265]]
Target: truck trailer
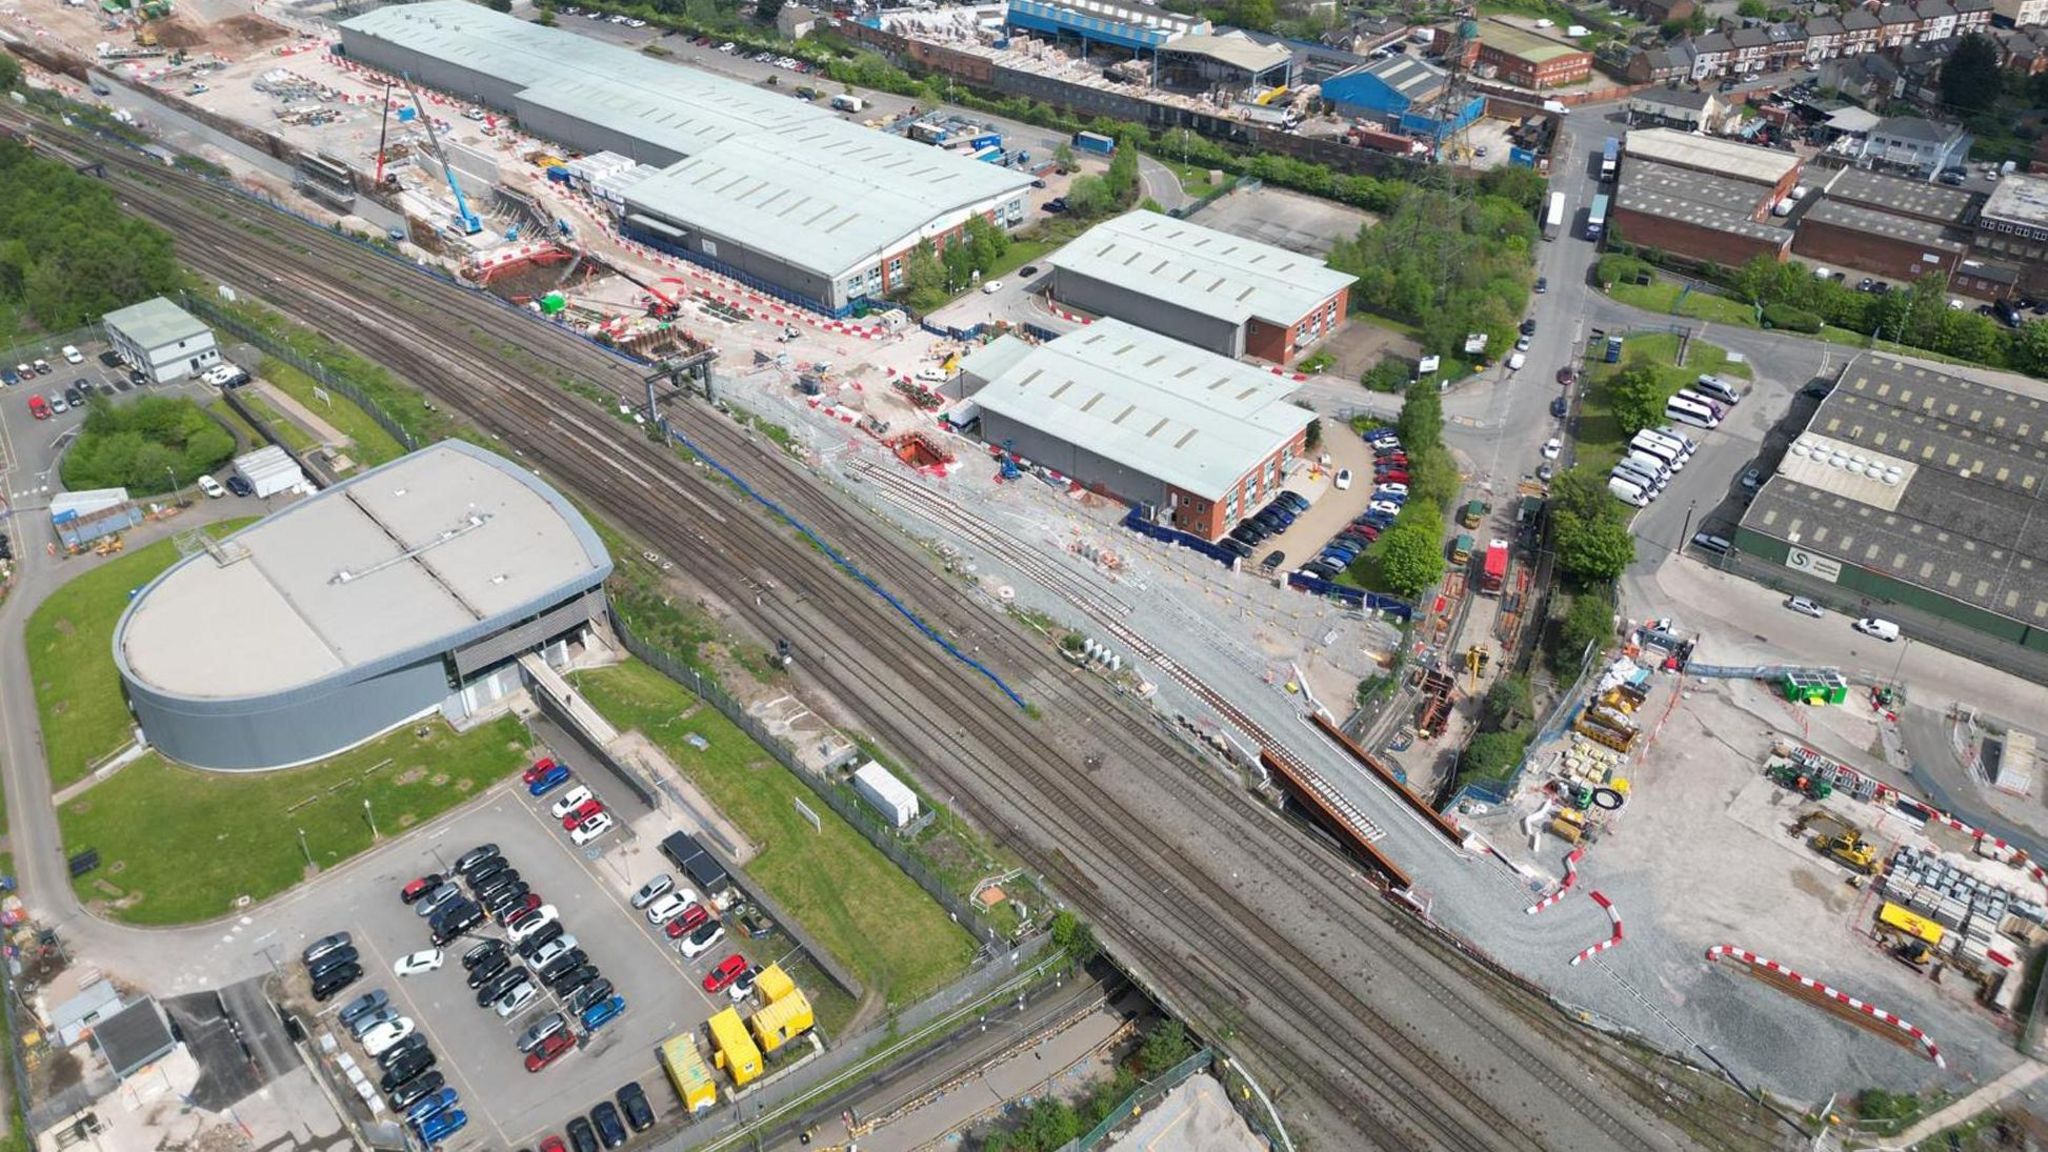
[[1494, 575], [1094, 142]]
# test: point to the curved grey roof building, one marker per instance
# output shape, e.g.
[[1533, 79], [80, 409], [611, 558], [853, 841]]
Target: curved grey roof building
[[382, 599]]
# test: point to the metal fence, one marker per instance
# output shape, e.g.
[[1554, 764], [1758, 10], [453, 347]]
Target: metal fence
[[868, 824], [1145, 1094], [272, 346], [46, 348], [16, 1068]]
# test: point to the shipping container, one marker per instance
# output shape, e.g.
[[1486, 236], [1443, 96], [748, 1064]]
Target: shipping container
[[885, 793], [926, 132], [782, 1021], [688, 1072], [988, 140], [1094, 142], [736, 1051]]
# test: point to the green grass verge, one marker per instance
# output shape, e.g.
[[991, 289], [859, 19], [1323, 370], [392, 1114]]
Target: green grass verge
[[178, 845], [70, 640], [849, 896], [244, 431], [372, 445], [295, 437], [1671, 298], [1599, 434]]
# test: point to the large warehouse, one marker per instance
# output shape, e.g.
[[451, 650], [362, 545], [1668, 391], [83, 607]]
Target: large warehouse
[[1203, 438], [1916, 496], [407, 590], [1219, 292], [772, 191]]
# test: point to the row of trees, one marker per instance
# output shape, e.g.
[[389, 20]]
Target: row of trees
[[146, 446], [932, 275], [68, 254], [1409, 555]]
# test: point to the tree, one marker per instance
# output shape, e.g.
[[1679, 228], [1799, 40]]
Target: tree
[[1492, 754], [10, 72], [1166, 1045], [985, 243], [546, 18], [1251, 15], [959, 261], [1752, 10], [1088, 197], [1507, 699], [1411, 558], [1636, 395], [1600, 548], [1063, 156], [765, 11], [2028, 351], [1590, 621], [1313, 438], [924, 278], [1970, 78], [1073, 935]]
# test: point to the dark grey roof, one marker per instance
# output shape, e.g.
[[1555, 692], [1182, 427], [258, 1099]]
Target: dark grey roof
[[1412, 78], [1895, 14], [1966, 7], [1918, 198], [1823, 26], [1713, 42], [1676, 98], [1749, 38], [1934, 9], [134, 1037], [1697, 198], [1787, 33], [1915, 128], [1968, 525], [1873, 222], [1859, 20]]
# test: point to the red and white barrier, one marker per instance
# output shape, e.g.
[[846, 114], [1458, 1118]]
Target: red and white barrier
[[1870, 1010], [1613, 917], [1571, 877]]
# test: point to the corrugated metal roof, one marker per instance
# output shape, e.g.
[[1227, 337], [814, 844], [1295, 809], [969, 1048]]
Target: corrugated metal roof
[[155, 323], [828, 195], [267, 461], [1190, 418], [1238, 51], [1710, 154], [1857, 218], [86, 501], [1200, 269]]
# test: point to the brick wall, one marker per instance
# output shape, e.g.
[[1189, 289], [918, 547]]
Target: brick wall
[[1690, 240], [1884, 257]]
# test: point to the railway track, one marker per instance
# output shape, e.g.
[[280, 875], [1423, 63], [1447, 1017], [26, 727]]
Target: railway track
[[1290, 1010]]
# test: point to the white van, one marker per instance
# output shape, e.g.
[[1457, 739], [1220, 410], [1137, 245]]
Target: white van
[[1718, 389], [1657, 448], [1719, 409], [1883, 629], [1516, 361], [1627, 492], [1649, 463], [1686, 412], [1670, 433], [1639, 474], [1676, 443]]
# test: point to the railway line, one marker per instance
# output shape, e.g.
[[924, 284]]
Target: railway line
[[1383, 1043]]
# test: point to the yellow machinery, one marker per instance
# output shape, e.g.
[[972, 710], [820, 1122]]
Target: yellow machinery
[[1902, 922], [736, 1051], [1846, 845], [108, 545], [688, 1072]]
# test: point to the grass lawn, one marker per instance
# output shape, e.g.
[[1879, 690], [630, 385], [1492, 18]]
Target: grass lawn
[[372, 444], [243, 430], [1599, 436], [178, 845], [70, 641], [296, 438], [846, 894], [1664, 296]]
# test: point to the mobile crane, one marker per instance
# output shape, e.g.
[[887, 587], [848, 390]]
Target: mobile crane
[[465, 219]]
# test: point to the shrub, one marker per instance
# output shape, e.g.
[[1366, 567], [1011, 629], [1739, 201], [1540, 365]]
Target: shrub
[[1790, 319], [146, 446]]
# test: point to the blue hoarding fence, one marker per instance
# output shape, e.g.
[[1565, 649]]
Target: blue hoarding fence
[[1136, 522], [1356, 597]]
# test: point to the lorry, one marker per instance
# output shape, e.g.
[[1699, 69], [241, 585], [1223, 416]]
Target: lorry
[[1494, 575], [1461, 550], [845, 103], [1094, 142]]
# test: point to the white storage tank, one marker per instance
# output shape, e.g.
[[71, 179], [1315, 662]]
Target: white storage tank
[[889, 796]]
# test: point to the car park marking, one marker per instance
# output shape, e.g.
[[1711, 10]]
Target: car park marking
[[453, 1068]]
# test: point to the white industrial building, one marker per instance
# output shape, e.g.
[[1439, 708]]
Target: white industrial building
[[270, 470], [777, 193], [166, 342], [885, 793]]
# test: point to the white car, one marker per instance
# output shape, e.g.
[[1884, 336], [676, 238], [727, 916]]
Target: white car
[[691, 947], [211, 487], [1400, 490], [541, 918], [1386, 506], [515, 998], [667, 908], [1552, 447], [992, 287], [1343, 479], [650, 891], [379, 1040], [591, 829], [73, 355], [418, 962], [571, 800]]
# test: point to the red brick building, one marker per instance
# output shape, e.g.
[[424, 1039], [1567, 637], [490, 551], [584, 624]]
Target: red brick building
[[1528, 60]]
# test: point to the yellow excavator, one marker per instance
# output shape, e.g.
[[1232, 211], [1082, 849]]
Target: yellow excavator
[[1845, 843]]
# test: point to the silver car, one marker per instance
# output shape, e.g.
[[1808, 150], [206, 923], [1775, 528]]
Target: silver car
[[1805, 607], [653, 890]]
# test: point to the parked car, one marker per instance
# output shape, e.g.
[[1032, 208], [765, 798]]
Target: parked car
[[1805, 607], [328, 961], [473, 857], [610, 1129], [633, 1102], [702, 940], [442, 1125], [516, 998], [211, 487], [743, 986], [361, 1006], [581, 812], [653, 890], [324, 946], [1343, 479], [406, 1069], [582, 1137], [725, 972], [591, 829], [587, 995], [482, 873], [504, 982], [433, 902], [427, 1105], [457, 920], [415, 1088], [668, 907], [371, 1019], [603, 1012], [418, 963], [561, 964], [572, 800], [548, 781], [330, 983], [384, 1035], [550, 1049], [483, 953], [1552, 447], [1879, 627], [692, 918], [574, 981], [490, 970]]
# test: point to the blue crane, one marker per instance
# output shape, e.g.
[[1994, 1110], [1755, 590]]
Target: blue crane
[[464, 218]]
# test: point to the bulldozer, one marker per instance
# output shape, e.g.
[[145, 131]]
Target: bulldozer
[[1844, 844]]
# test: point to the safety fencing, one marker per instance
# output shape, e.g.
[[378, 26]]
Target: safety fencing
[[1561, 714], [1354, 597], [1136, 522], [47, 347], [1140, 1098]]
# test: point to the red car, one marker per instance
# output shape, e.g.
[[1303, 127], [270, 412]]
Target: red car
[[582, 812], [692, 918], [415, 889], [552, 1144], [725, 972], [1567, 377], [539, 769], [550, 1050]]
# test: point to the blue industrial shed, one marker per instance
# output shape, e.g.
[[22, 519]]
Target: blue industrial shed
[[1400, 91]]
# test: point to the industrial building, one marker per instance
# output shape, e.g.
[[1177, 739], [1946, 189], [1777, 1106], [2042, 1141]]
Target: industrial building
[[1895, 248], [163, 340], [1694, 214], [1774, 170], [408, 590], [1679, 108], [1218, 292], [1916, 496], [1527, 60], [1201, 438], [81, 518], [1402, 92], [776, 193], [1916, 199], [270, 470], [2013, 228]]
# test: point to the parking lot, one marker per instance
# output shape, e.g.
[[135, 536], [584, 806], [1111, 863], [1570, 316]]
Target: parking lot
[[1331, 508], [477, 1049], [1284, 219]]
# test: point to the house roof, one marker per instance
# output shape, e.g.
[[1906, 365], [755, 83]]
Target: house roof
[[1896, 14], [134, 1037], [1186, 417], [1916, 128], [1860, 20], [1679, 98], [1872, 222], [1823, 26], [1236, 50]]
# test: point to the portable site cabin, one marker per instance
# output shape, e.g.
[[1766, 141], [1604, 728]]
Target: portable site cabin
[[736, 1051], [782, 1021], [885, 793], [688, 1072], [270, 470]]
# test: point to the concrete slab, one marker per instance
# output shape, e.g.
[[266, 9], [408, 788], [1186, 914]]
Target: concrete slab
[[1195, 1117], [1289, 220]]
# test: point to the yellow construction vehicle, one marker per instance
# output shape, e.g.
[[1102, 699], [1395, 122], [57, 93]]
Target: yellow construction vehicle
[[1845, 845], [108, 545]]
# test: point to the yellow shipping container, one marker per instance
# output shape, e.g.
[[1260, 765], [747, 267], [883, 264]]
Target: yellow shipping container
[[688, 1072], [736, 1051], [773, 984], [782, 1021], [1918, 927]]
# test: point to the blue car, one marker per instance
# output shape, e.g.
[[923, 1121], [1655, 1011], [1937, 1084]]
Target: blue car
[[549, 780], [603, 1012], [442, 1125], [428, 1105]]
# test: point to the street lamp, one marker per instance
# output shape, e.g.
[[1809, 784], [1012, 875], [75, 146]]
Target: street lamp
[[177, 493], [1901, 664], [371, 817], [303, 848]]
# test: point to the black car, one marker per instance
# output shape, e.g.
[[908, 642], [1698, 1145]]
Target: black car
[[362, 1006], [240, 487], [633, 1102], [500, 986], [110, 358], [484, 869], [329, 961], [135, 376], [582, 1137], [610, 1128], [454, 922], [508, 897], [329, 984], [1529, 326], [1558, 407], [540, 939], [483, 952], [400, 1050], [323, 946], [500, 880], [1273, 560], [591, 993], [570, 983], [562, 963], [407, 1068], [416, 1089], [489, 970], [1235, 547], [474, 857]]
